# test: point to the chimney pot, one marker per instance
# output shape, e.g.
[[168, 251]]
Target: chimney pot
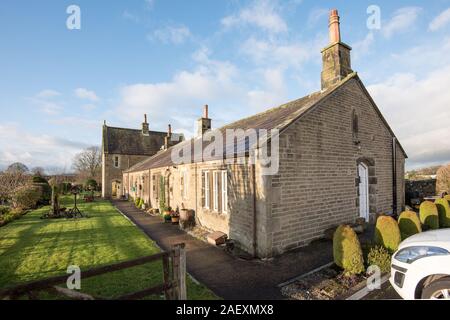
[[334, 27], [169, 130], [205, 111], [145, 118]]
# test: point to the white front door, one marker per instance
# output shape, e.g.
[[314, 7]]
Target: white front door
[[363, 191]]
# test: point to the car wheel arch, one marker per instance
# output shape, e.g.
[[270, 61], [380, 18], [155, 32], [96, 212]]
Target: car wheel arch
[[426, 281]]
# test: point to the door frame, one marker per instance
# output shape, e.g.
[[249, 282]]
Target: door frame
[[364, 183]]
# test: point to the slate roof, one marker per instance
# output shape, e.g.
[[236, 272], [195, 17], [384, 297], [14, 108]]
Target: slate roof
[[276, 118], [132, 141]]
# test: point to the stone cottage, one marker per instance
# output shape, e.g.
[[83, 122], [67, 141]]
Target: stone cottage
[[338, 160], [123, 148]]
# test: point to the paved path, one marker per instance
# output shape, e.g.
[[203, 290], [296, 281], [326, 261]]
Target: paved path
[[227, 276]]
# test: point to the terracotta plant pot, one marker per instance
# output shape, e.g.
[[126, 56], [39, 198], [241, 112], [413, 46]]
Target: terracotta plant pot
[[186, 214], [175, 219]]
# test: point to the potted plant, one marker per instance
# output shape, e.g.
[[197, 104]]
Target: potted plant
[[167, 214], [175, 217]]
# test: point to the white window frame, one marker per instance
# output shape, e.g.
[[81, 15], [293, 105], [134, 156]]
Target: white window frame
[[118, 161], [206, 182], [215, 191], [224, 190]]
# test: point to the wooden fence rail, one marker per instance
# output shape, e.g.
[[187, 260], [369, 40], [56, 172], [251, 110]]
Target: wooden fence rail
[[173, 286]]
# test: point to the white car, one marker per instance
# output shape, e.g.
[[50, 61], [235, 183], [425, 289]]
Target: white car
[[420, 268]]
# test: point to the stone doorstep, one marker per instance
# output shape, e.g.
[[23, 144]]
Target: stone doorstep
[[216, 238]]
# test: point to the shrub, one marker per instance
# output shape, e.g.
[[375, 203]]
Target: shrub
[[444, 212], [39, 179], [447, 197], [136, 201], [409, 224], [347, 250], [429, 216], [26, 197], [4, 210], [141, 203], [91, 184], [380, 257], [45, 192], [387, 233]]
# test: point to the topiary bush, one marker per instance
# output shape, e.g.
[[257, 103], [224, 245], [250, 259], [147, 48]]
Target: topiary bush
[[379, 256], [136, 201], [444, 212], [141, 203], [347, 250], [429, 216], [387, 233], [409, 224]]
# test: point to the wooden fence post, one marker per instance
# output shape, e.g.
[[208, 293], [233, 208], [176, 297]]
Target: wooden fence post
[[179, 271], [167, 277]]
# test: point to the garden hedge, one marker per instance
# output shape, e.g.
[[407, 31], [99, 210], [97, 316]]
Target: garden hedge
[[444, 212], [347, 250], [409, 224], [387, 233], [429, 216]]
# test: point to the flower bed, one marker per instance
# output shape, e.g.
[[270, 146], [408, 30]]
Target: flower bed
[[326, 284]]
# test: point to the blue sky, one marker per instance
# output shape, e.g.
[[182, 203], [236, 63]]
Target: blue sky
[[168, 58]]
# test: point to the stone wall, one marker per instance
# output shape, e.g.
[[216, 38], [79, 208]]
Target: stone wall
[[418, 189], [316, 187], [110, 173], [237, 223]]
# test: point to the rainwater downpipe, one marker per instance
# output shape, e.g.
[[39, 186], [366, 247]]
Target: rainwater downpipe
[[254, 211], [394, 176]]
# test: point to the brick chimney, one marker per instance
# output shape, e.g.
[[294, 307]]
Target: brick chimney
[[204, 123], [168, 138], [336, 56], [145, 127]]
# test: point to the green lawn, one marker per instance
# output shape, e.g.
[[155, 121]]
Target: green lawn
[[31, 249]]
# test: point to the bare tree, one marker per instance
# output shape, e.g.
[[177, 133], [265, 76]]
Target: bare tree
[[443, 179], [88, 163], [38, 171], [10, 182]]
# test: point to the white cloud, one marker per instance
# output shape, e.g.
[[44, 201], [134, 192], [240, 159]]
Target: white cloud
[[86, 94], [287, 54], [263, 14], [45, 101], [172, 34], [363, 47], [130, 16], [48, 93], [417, 109], [401, 21], [35, 149], [440, 21], [180, 100], [316, 15]]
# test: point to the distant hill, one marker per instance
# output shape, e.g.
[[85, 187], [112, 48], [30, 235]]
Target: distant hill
[[422, 173]]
